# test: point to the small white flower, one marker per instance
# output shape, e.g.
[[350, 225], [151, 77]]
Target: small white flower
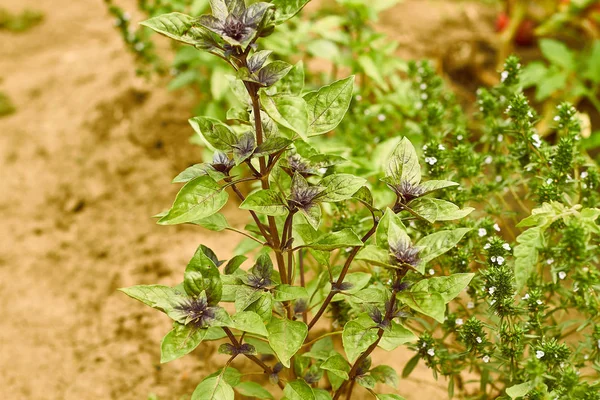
[[381, 117], [557, 118], [496, 227], [424, 96], [506, 246], [488, 160], [493, 302], [526, 297], [585, 269], [459, 137], [549, 181], [487, 246], [498, 179], [584, 186], [500, 138], [493, 259], [470, 305], [492, 290], [598, 343], [441, 147], [431, 271], [424, 147], [126, 16], [358, 97], [139, 46], [583, 175], [322, 170], [430, 160], [500, 260], [478, 340], [503, 76], [431, 352], [539, 354], [586, 357], [486, 359], [539, 302], [348, 249], [550, 261], [482, 232], [529, 114], [459, 322], [562, 275], [536, 140], [423, 86]]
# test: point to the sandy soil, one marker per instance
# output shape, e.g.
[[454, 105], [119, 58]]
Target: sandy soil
[[84, 163]]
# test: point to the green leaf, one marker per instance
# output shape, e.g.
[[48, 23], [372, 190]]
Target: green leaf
[[198, 199], [385, 374], [447, 286], [213, 388], [286, 292], [286, 9], [340, 187], [557, 53], [403, 165], [181, 340], [337, 365], [366, 381], [293, 82], [251, 322], [263, 306], [389, 397], [432, 209], [438, 243], [357, 336], [234, 264], [176, 26], [381, 234], [430, 304], [396, 335], [231, 375], [336, 240], [526, 254], [288, 111], [286, 338], [245, 296], [321, 394], [410, 365], [592, 71], [372, 71], [253, 389], [312, 215], [258, 59], [215, 222], [431, 186], [375, 255], [201, 274], [520, 390], [219, 8], [265, 201], [273, 72], [328, 105], [298, 390], [197, 170], [160, 297], [216, 134]]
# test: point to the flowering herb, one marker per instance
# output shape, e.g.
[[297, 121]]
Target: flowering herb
[[480, 272]]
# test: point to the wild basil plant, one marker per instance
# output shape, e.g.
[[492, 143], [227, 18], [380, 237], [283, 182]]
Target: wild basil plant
[[308, 262]]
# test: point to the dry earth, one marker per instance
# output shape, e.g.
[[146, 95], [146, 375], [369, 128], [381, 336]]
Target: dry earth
[[84, 163]]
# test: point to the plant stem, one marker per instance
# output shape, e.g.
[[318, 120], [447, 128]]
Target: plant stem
[[256, 360], [388, 317], [342, 276], [254, 217], [276, 244]]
